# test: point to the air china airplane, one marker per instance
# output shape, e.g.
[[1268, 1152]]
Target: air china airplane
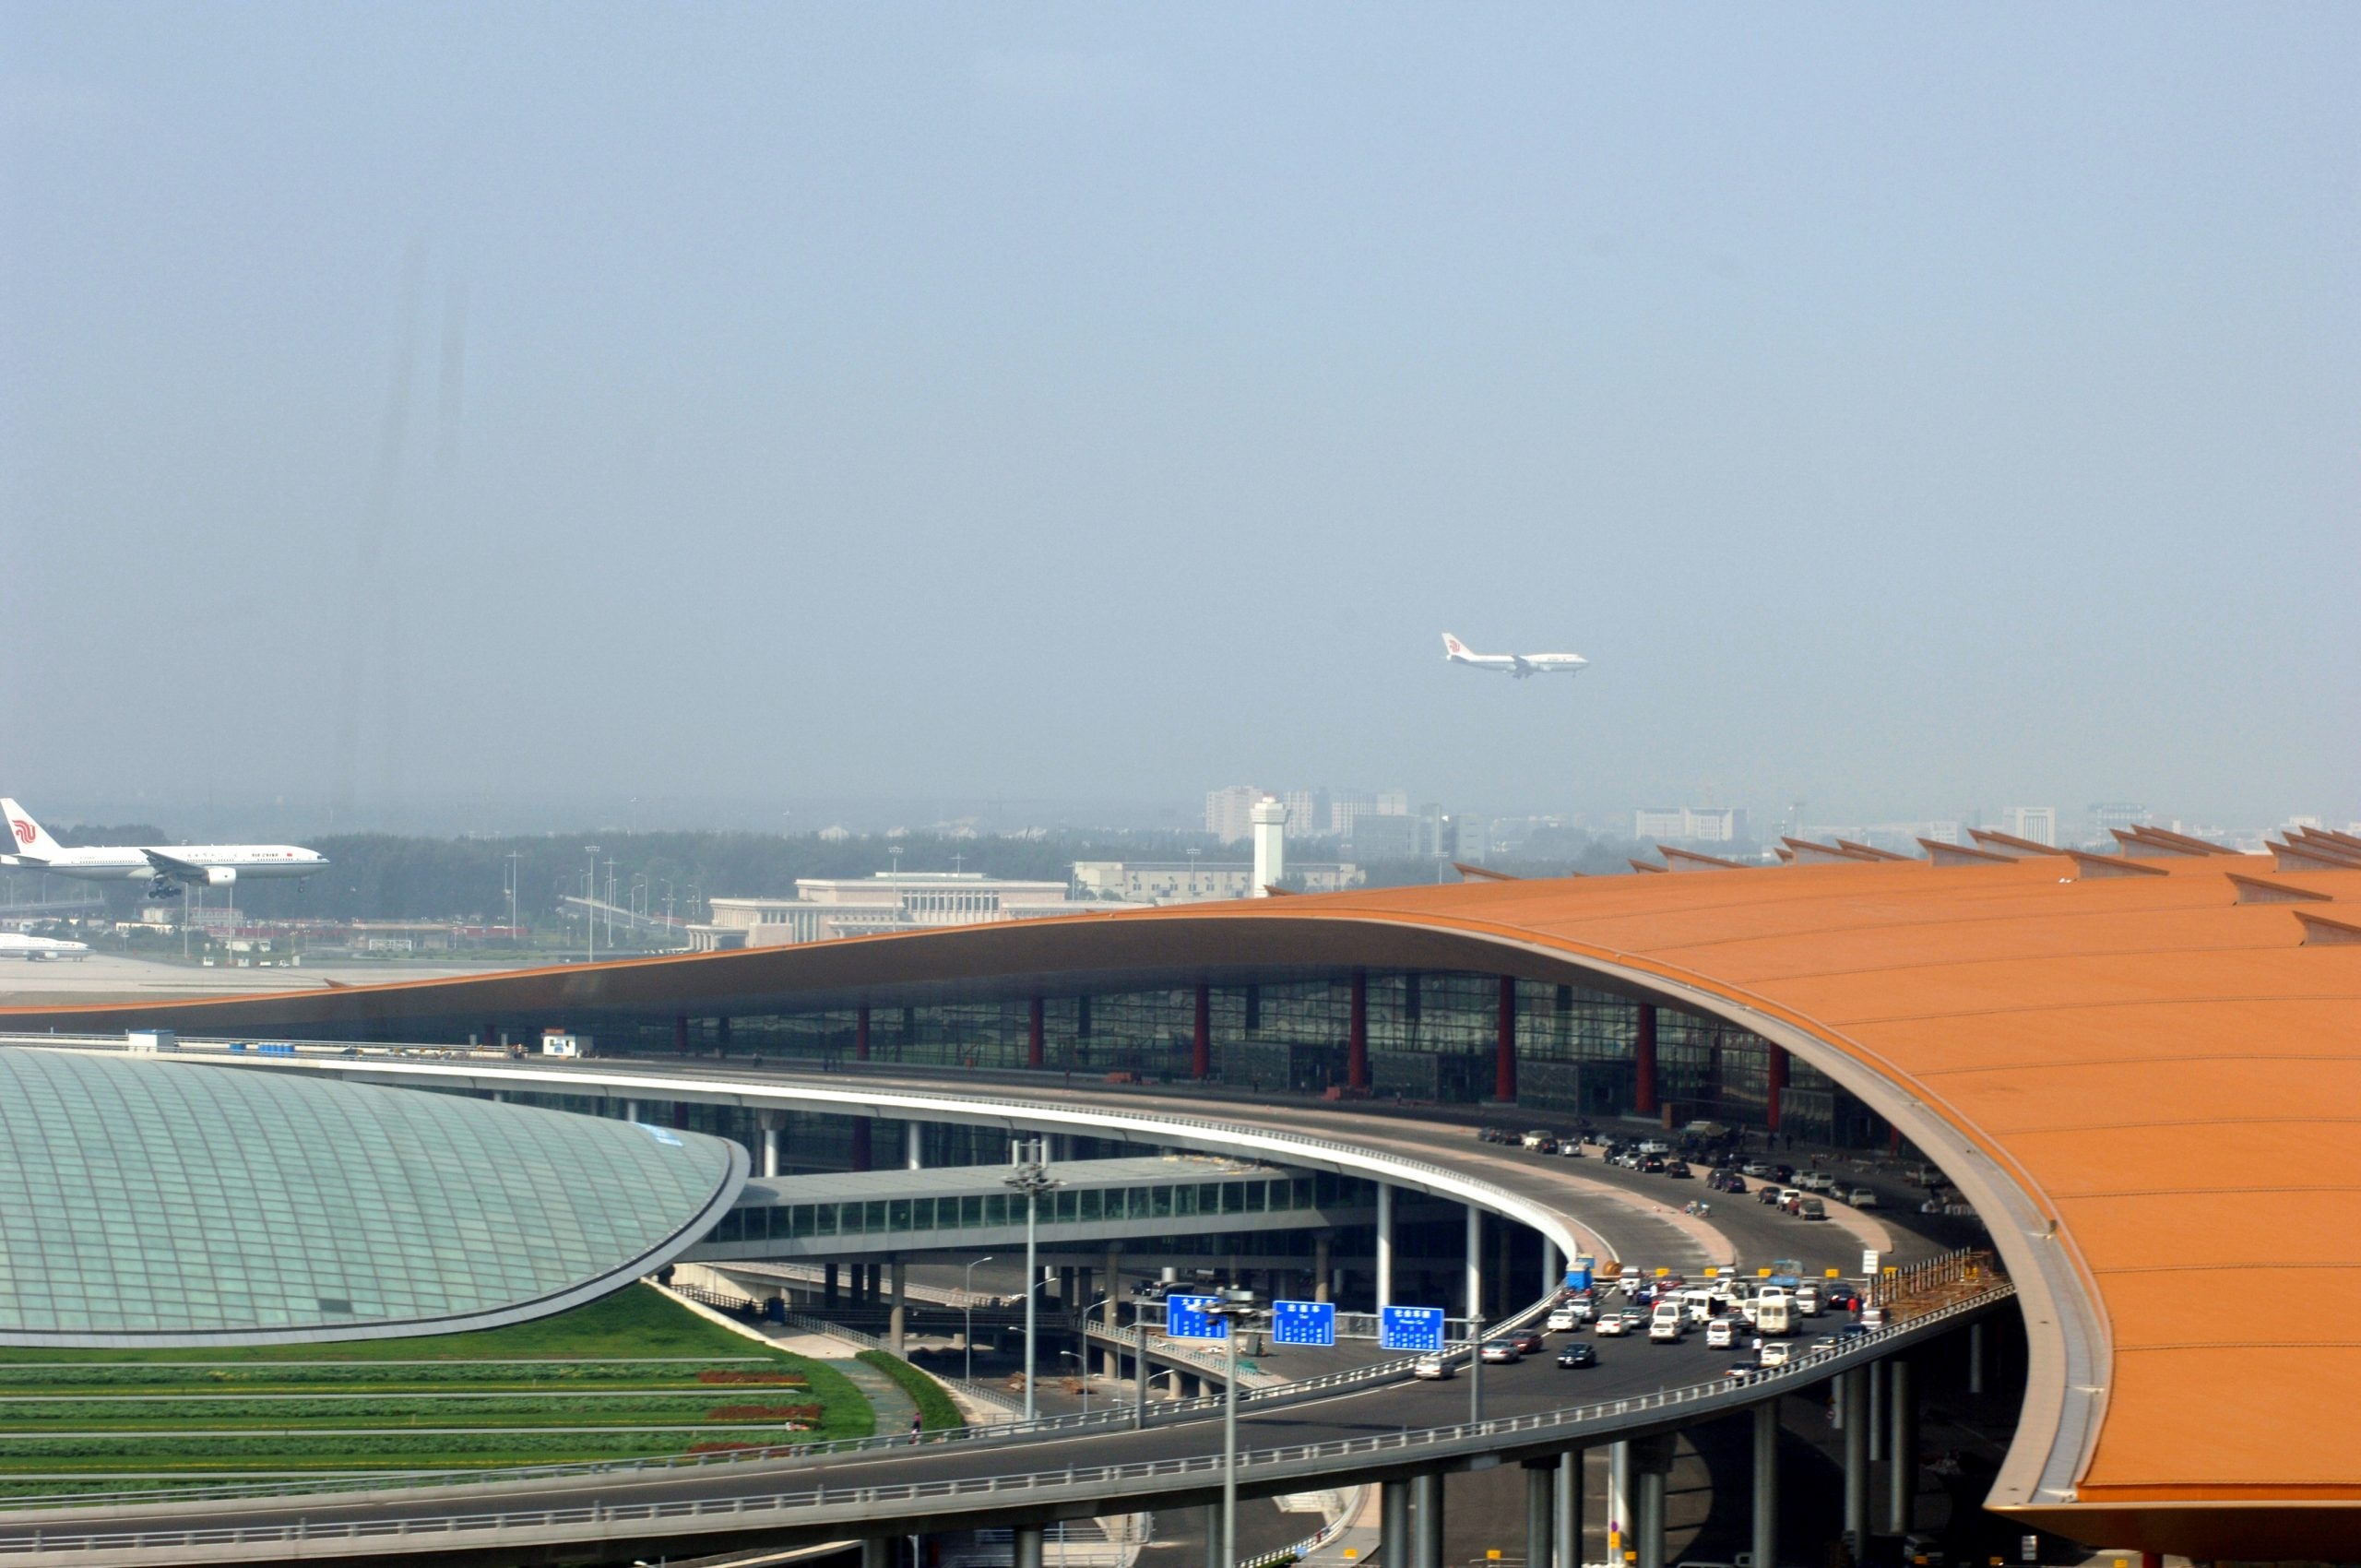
[[33, 949], [165, 866], [1517, 664]]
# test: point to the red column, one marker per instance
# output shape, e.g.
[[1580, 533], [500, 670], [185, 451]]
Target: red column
[[1357, 1041], [1504, 1042], [1033, 1035], [1643, 1054], [860, 1035], [1777, 1085], [1892, 1139], [1201, 1043], [680, 1034], [492, 1036], [860, 1143]]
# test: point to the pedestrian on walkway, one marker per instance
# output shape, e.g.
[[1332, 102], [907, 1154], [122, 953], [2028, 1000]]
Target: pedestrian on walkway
[[916, 1425]]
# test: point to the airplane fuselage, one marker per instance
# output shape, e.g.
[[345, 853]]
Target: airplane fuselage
[[246, 862], [34, 949], [1520, 665]]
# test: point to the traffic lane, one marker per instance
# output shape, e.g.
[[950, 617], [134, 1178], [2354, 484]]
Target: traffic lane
[[1531, 1387]]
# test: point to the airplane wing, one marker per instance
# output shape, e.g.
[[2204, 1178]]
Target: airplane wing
[[165, 865], [1523, 665]]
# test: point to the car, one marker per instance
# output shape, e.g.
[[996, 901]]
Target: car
[[1527, 1342], [1570, 1148], [1775, 1352], [1564, 1320], [1816, 1182], [1754, 1168], [1722, 1332], [1789, 1198], [1862, 1197], [1851, 1332], [1810, 1208], [1743, 1370], [1677, 1169], [1655, 1146], [1614, 1326], [1783, 1173], [1767, 1193], [1578, 1355], [1500, 1352], [1433, 1369], [1651, 1164]]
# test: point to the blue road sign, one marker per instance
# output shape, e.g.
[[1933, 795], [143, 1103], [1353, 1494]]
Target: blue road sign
[[1303, 1323], [1410, 1328], [1185, 1317]]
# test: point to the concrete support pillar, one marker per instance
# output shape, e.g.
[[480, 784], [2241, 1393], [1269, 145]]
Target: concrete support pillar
[[1856, 1395], [1643, 1063], [1357, 1036], [829, 1286], [861, 1158], [1566, 1530], [680, 1034], [1618, 1500], [1393, 1524], [774, 1121], [1474, 1262], [878, 1553], [1876, 1421], [1109, 1316], [1024, 1547], [1213, 1537], [1776, 1087], [1553, 1272], [897, 1318], [1426, 1527], [1540, 1510], [1766, 1482], [1504, 1042], [913, 1146], [1384, 1245], [861, 1053], [1648, 1534], [1902, 1451], [1201, 1038], [631, 1111], [1976, 1357], [1034, 1037], [1322, 1263]]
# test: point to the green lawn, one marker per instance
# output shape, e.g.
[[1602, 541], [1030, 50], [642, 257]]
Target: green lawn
[[671, 1381]]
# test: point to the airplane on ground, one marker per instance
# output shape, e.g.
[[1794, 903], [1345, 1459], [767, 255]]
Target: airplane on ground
[[33, 949], [1517, 664], [166, 866]]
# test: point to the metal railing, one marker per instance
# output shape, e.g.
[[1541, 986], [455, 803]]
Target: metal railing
[[823, 1505]]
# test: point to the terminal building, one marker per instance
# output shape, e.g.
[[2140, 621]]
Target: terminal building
[[828, 909], [2139, 1067]]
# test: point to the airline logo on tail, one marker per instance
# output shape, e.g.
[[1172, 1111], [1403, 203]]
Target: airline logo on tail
[[24, 829], [30, 838]]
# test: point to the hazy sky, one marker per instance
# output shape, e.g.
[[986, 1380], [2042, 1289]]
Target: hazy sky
[[1905, 409]]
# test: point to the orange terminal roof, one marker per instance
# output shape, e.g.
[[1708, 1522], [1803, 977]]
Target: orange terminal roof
[[2146, 1072]]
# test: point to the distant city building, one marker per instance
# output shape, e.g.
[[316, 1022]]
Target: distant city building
[[1688, 825], [1308, 811], [825, 908], [2037, 824], [1230, 814], [2106, 816], [1901, 838], [1192, 882], [1466, 836], [1394, 803], [1384, 836]]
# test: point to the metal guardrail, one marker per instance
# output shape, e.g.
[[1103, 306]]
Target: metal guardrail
[[1044, 1486]]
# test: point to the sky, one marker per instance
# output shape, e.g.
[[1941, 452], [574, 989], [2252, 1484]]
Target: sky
[[1907, 410]]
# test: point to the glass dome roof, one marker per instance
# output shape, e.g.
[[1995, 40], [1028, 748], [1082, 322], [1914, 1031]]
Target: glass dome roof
[[146, 1201]]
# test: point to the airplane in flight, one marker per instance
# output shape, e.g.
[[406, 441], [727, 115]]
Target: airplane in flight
[[1517, 664], [167, 867], [33, 949]]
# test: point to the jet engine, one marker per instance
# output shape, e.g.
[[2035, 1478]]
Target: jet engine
[[216, 876]]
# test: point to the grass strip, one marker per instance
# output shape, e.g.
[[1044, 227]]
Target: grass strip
[[936, 1412]]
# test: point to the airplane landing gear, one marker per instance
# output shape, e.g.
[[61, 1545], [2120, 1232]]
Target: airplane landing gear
[[163, 887]]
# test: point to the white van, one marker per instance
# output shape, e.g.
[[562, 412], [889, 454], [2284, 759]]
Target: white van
[[1807, 1299], [1771, 1312], [1668, 1323], [1700, 1303]]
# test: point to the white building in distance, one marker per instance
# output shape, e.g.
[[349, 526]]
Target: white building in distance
[[2037, 824], [1197, 881], [824, 909], [1230, 814], [1688, 825]]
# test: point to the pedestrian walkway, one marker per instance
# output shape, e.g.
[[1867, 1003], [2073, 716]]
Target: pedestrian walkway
[[894, 1407]]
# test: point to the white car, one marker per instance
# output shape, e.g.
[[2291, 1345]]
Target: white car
[[1721, 1333], [1666, 1330], [1775, 1352], [1862, 1197], [1433, 1369], [1816, 1182], [1563, 1321], [1614, 1326]]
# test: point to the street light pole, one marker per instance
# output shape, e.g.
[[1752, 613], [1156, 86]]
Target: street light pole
[[1234, 1309], [1032, 1180], [590, 901], [967, 1293]]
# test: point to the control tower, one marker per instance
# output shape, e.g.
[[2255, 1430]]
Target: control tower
[[1270, 817]]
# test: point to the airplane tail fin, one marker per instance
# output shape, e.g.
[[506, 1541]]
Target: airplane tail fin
[[25, 834], [1452, 646]]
